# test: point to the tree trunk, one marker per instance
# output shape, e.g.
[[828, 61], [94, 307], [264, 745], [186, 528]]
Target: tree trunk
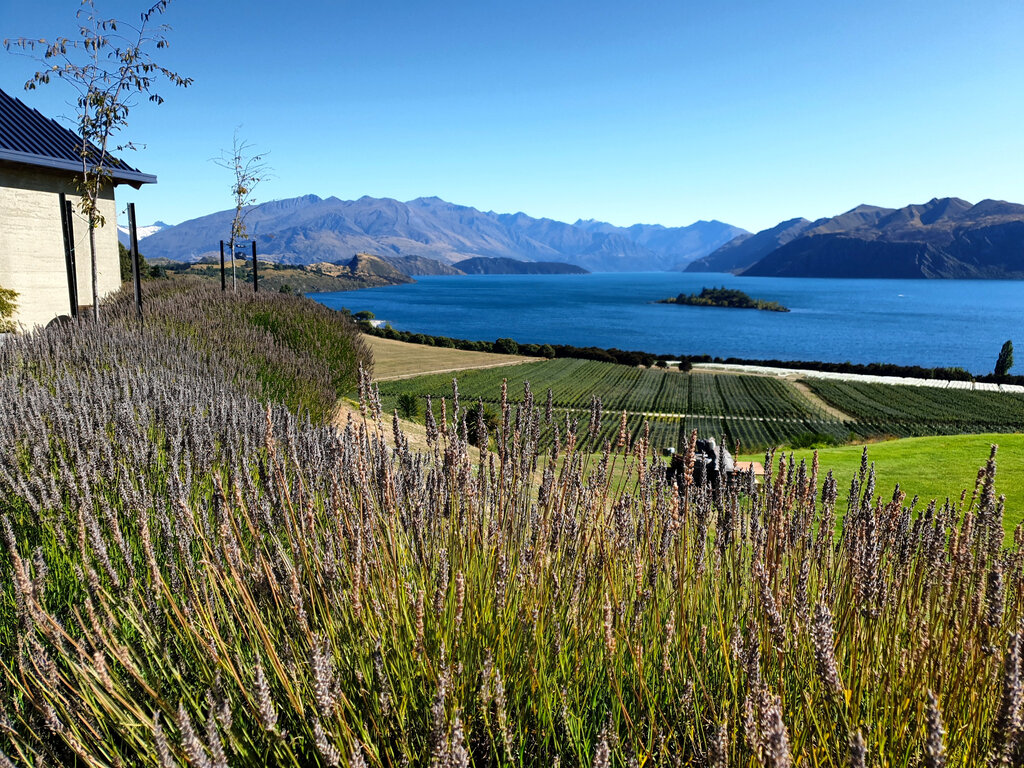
[[95, 271], [234, 285]]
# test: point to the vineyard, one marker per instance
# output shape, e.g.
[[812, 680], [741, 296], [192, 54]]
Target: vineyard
[[755, 411], [905, 411]]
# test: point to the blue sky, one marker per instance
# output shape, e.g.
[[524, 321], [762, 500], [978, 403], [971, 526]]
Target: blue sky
[[657, 112]]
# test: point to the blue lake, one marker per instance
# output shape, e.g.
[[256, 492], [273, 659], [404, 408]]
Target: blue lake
[[908, 322]]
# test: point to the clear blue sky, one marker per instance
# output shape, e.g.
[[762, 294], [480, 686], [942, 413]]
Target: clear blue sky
[[666, 112]]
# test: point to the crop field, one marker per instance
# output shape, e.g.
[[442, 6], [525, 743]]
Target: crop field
[[753, 411], [758, 411], [573, 383], [908, 411]]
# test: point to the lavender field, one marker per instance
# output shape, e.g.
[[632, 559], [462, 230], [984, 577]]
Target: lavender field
[[197, 569]]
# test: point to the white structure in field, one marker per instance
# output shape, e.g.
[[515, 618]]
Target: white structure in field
[[39, 161]]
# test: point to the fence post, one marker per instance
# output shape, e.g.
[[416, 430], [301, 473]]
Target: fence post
[[136, 266], [223, 279], [255, 272], [67, 229]]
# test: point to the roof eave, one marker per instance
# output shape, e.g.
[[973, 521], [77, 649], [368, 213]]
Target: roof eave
[[134, 178]]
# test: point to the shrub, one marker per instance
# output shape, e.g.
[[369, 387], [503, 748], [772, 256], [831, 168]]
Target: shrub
[[8, 305], [408, 405], [506, 346]]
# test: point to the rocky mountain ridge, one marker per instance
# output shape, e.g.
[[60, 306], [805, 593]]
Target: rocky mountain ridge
[[943, 238]]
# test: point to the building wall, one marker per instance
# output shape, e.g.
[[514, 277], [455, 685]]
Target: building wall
[[32, 245]]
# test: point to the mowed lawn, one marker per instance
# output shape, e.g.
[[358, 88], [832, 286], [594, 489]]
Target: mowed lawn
[[399, 359], [931, 467]]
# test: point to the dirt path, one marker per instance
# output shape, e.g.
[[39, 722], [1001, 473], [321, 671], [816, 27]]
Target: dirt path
[[818, 402]]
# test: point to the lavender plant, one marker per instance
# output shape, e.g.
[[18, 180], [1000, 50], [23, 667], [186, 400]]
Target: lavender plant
[[193, 576]]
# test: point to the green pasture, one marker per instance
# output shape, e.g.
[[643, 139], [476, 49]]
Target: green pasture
[[931, 467]]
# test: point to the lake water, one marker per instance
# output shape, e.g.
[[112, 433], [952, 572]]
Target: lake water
[[908, 322]]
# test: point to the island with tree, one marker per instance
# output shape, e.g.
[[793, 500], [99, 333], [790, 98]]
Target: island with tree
[[724, 297]]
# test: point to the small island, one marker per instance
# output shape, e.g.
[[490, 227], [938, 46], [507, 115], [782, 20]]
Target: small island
[[724, 297]]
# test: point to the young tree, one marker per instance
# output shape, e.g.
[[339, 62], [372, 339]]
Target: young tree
[[1005, 360], [109, 66], [249, 169]]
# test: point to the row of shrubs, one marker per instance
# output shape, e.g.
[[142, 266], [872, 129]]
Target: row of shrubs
[[647, 359]]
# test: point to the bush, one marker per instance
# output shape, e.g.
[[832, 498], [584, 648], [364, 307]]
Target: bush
[[506, 347], [8, 304], [408, 405]]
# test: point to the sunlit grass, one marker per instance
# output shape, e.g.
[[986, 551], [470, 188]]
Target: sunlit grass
[[933, 467]]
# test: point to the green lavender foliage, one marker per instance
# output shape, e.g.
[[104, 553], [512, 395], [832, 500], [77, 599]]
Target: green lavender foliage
[[191, 577]]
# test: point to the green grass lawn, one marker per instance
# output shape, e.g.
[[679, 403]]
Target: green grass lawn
[[932, 467]]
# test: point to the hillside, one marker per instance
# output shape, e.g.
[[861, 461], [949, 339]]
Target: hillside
[[746, 250], [361, 271], [943, 238], [420, 265], [500, 266], [310, 229]]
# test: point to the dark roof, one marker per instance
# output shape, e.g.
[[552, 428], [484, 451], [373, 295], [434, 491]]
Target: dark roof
[[29, 138]]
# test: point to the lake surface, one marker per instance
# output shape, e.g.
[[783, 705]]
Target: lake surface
[[908, 322]]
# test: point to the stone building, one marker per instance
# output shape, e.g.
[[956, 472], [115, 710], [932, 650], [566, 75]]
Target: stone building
[[39, 160]]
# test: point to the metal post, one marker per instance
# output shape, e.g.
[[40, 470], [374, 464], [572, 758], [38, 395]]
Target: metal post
[[255, 272], [136, 266], [67, 228], [223, 278]]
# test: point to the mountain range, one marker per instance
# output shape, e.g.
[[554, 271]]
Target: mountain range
[[943, 238], [311, 229]]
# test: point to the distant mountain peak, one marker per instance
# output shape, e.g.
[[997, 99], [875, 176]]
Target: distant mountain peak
[[308, 229]]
